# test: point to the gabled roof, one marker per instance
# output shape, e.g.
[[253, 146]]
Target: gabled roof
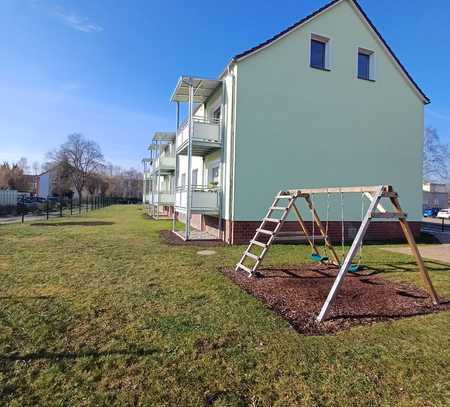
[[316, 13]]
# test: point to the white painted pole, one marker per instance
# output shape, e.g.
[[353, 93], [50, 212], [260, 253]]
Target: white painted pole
[[176, 165], [349, 257]]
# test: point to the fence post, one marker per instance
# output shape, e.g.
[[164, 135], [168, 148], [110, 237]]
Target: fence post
[[23, 209], [71, 205], [60, 206], [46, 208]]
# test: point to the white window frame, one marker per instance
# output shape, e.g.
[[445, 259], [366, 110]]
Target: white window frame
[[372, 63], [194, 172], [325, 40], [209, 168]]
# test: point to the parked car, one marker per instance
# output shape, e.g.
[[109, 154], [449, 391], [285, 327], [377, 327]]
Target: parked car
[[430, 212], [444, 214]]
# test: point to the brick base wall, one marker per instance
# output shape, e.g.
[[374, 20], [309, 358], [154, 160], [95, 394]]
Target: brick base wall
[[240, 232]]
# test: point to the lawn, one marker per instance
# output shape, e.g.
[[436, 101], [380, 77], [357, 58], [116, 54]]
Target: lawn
[[110, 315]]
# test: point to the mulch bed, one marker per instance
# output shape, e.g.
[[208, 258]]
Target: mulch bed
[[297, 294], [173, 240]]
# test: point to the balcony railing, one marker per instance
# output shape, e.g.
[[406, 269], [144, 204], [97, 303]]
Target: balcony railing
[[205, 133], [203, 200], [164, 162], [163, 198]]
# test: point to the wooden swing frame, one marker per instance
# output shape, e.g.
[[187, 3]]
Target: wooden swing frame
[[375, 210]]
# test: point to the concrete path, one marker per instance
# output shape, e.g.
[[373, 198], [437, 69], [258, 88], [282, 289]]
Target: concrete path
[[439, 252]]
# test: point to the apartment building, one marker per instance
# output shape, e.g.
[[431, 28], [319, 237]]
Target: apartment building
[[323, 103]]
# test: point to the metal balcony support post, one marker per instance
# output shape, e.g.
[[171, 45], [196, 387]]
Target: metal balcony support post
[[158, 183], [176, 164], [222, 159], [189, 169]]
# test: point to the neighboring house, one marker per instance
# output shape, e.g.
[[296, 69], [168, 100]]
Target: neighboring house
[[435, 196], [46, 184], [323, 103]]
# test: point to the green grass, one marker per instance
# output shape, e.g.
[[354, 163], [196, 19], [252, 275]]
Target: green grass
[[109, 315]]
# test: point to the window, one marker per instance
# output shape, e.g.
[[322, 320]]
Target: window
[[366, 65], [194, 177], [215, 174], [183, 180], [216, 114], [319, 57]]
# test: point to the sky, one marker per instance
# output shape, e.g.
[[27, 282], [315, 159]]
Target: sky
[[107, 68]]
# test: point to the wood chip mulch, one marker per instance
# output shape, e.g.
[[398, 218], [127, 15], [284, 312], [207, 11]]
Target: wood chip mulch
[[173, 240], [297, 294]]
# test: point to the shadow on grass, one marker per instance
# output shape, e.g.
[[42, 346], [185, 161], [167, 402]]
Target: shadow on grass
[[76, 355], [290, 274], [394, 268], [79, 223]]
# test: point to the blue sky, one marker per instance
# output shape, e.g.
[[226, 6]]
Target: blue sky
[[107, 68]]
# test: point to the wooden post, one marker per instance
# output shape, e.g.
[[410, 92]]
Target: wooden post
[[415, 250], [304, 228]]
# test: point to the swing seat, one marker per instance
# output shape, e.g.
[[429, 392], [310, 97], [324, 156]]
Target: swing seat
[[318, 257], [354, 268]]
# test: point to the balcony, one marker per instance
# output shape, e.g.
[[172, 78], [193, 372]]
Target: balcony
[[204, 200], [164, 163], [162, 198], [205, 137]]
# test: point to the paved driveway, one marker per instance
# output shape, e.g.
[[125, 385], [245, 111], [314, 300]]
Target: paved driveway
[[439, 252]]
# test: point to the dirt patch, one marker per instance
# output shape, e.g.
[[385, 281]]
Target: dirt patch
[[297, 294], [87, 223], [173, 240]]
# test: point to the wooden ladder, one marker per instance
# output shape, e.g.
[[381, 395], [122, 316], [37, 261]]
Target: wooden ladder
[[280, 198]]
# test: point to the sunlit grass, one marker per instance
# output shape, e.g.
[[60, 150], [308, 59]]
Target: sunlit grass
[[95, 315]]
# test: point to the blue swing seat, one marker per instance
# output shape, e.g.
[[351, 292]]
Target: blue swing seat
[[354, 268], [318, 257]]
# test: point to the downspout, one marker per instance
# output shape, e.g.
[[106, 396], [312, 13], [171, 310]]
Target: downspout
[[222, 160], [232, 150]]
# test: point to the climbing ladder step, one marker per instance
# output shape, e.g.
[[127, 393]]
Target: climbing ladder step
[[278, 208], [241, 266], [253, 256], [273, 220], [255, 242], [264, 232]]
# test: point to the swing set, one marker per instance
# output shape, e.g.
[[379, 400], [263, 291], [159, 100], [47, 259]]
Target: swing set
[[315, 256], [269, 232]]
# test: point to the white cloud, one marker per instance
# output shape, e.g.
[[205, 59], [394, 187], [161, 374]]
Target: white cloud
[[438, 115], [75, 21]]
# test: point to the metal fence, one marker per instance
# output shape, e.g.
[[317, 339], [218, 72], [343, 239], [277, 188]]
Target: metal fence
[[44, 209], [8, 197]]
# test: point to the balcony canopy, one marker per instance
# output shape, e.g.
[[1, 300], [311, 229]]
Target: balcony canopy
[[203, 89]]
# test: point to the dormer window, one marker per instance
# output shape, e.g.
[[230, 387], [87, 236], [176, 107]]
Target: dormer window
[[320, 52]]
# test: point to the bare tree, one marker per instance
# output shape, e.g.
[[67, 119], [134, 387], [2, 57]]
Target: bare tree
[[62, 179], [436, 156], [83, 157], [13, 176]]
